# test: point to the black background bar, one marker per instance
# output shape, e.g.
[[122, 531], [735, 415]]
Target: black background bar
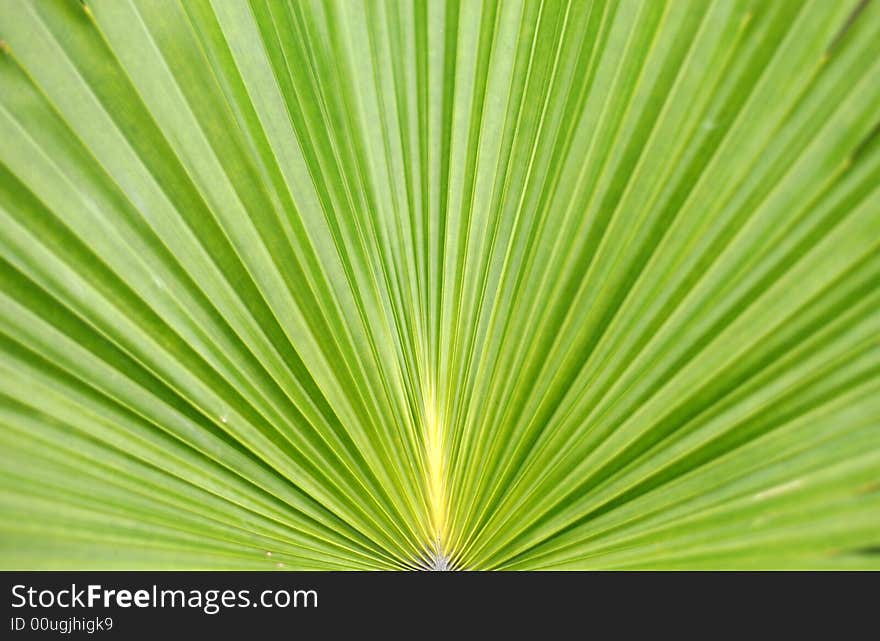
[[465, 605]]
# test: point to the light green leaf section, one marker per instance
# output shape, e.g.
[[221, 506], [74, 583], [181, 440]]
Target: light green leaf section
[[391, 284]]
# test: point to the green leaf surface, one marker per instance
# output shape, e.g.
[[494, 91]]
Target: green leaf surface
[[390, 284]]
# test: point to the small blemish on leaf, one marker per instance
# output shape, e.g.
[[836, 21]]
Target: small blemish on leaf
[[779, 489]]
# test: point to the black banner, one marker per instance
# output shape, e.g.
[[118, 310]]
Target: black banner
[[548, 605]]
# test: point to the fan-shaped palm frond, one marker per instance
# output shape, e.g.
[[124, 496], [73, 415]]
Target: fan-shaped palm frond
[[393, 284]]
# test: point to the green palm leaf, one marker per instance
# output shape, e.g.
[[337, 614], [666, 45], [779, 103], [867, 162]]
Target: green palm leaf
[[388, 284]]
